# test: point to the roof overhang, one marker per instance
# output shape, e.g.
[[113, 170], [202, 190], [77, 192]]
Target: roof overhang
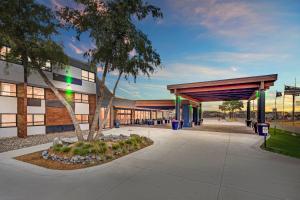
[[223, 90]]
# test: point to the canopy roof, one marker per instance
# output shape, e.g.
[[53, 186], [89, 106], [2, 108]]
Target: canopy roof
[[223, 90], [165, 104]]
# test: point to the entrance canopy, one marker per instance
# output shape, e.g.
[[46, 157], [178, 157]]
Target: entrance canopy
[[224, 90]]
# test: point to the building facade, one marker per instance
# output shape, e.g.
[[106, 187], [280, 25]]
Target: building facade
[[32, 108]]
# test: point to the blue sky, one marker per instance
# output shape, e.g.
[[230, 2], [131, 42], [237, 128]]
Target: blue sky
[[201, 40]]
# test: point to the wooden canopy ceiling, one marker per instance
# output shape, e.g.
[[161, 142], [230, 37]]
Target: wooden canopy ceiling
[[223, 90]]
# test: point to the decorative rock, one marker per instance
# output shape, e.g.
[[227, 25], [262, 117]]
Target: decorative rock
[[56, 141], [68, 141]]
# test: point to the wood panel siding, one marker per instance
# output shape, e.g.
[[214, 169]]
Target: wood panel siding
[[57, 115]]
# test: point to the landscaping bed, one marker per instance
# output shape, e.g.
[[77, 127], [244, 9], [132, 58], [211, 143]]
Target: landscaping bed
[[68, 156], [283, 142]]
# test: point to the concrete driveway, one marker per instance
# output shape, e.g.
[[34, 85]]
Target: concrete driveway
[[180, 165]]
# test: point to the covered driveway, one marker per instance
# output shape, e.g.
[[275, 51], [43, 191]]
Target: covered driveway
[[180, 165]]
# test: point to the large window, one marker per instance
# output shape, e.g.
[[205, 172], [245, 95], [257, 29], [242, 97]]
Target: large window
[[8, 120], [8, 89], [82, 119], [124, 116], [81, 98], [35, 92], [87, 76], [35, 119]]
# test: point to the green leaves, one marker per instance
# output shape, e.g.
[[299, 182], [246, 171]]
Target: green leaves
[[27, 28], [111, 27]]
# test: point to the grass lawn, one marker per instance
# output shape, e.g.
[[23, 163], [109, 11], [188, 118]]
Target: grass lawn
[[283, 142]]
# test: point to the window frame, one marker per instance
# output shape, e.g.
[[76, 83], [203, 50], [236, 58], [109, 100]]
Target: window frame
[[88, 77], [33, 123], [15, 93], [1, 124], [81, 121], [80, 100], [33, 96]]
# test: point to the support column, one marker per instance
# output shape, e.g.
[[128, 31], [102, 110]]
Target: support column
[[248, 120], [261, 107], [177, 108], [22, 110], [200, 113]]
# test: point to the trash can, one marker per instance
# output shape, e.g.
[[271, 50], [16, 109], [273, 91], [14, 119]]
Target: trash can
[[117, 124], [248, 123], [175, 124], [262, 129]]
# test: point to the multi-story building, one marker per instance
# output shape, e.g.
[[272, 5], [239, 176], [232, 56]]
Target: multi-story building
[[32, 108]]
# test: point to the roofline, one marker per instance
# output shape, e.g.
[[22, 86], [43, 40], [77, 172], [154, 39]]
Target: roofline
[[270, 77]]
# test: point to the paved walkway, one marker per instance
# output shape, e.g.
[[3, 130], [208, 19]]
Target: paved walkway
[[214, 125], [180, 165]]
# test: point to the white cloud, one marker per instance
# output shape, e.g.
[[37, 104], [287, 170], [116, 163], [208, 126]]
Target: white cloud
[[76, 49], [192, 73], [237, 57]]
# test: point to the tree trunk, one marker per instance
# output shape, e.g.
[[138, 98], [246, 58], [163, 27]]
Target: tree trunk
[[69, 108], [99, 104], [102, 123]]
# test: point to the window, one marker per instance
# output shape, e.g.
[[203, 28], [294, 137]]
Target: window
[[8, 120], [35, 119], [8, 89], [87, 76], [3, 52], [82, 119], [35, 92], [47, 67], [81, 98]]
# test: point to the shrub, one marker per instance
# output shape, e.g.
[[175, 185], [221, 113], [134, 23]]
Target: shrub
[[99, 147], [135, 137], [79, 144], [65, 149], [121, 143], [57, 147], [81, 151], [116, 147]]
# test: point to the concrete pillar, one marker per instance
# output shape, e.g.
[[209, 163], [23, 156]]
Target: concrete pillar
[[186, 111], [22, 110], [248, 118], [177, 108], [200, 113], [261, 107]]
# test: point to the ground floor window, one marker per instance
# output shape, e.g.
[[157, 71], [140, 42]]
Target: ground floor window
[[35, 119], [8, 120], [124, 116], [82, 118]]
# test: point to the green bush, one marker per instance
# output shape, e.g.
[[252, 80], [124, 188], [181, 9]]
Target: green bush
[[81, 151], [65, 149], [79, 144], [57, 147], [116, 147]]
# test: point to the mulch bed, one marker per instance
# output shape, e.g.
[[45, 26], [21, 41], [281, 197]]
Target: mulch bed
[[37, 159]]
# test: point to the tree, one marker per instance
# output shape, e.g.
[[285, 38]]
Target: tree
[[27, 28], [110, 26], [231, 106]]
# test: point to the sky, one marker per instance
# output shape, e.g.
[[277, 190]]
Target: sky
[[201, 40]]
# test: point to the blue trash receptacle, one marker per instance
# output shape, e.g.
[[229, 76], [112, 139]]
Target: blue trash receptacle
[[262, 129], [175, 124], [117, 124]]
